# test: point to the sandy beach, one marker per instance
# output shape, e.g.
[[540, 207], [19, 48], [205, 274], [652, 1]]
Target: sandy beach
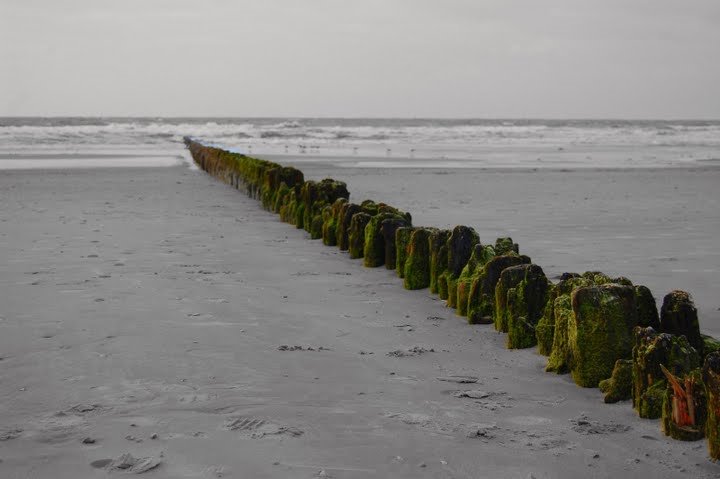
[[160, 313]]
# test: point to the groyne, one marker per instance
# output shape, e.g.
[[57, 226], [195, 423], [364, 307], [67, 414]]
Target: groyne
[[605, 332]]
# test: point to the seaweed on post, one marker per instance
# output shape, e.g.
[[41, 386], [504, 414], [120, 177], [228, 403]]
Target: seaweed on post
[[711, 381], [402, 240], [524, 303], [417, 264], [651, 350], [331, 220], [374, 252], [460, 245], [479, 258], [619, 386], [481, 300], [438, 257], [678, 315], [356, 234], [347, 211], [388, 230], [600, 331]]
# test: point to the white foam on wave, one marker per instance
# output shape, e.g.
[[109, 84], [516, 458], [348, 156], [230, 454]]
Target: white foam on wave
[[449, 143]]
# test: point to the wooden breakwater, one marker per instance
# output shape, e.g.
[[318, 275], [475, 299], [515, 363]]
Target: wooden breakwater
[[605, 332]]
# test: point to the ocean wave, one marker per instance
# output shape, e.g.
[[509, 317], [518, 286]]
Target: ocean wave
[[463, 134]]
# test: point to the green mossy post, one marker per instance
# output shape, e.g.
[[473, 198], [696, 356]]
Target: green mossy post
[[356, 234], [316, 226], [442, 285], [388, 229], [525, 305], [315, 195], [374, 253], [308, 195], [510, 278], [560, 357], [647, 308], [460, 247], [651, 350], [619, 386], [402, 240], [287, 209], [684, 409], [481, 302], [370, 207], [438, 257], [711, 380], [279, 197], [560, 360], [545, 329], [300, 215], [273, 177], [710, 345], [480, 255], [600, 332], [347, 211], [597, 277], [651, 404], [505, 246], [417, 264], [331, 222], [678, 316]]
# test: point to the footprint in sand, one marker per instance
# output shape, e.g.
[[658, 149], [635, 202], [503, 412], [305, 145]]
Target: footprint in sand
[[127, 463], [258, 428]]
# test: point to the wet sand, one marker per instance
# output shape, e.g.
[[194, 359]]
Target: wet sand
[[143, 302]]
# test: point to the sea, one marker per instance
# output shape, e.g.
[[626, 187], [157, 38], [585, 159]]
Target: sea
[[29, 142]]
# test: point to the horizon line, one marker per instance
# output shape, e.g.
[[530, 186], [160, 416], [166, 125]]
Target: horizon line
[[332, 117]]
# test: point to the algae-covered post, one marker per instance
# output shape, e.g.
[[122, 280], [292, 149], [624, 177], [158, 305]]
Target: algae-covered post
[[460, 246], [651, 350], [438, 257], [711, 380], [525, 302], [315, 196], [356, 234], [479, 257], [374, 253], [619, 386], [600, 331], [678, 315], [331, 221], [388, 229], [402, 240], [417, 264], [347, 211], [481, 300]]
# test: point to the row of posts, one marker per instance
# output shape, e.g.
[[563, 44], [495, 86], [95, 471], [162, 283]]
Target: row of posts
[[606, 332]]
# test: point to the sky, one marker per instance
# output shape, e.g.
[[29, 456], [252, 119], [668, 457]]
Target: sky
[[655, 59]]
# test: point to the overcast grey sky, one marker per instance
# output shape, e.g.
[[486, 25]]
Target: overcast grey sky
[[401, 58]]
